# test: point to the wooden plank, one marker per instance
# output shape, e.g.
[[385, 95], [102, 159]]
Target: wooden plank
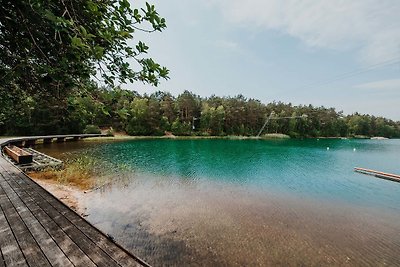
[[383, 175], [378, 172], [107, 245], [32, 252], [91, 249], [118, 254], [51, 250], [9, 248], [123, 257], [71, 250], [2, 263]]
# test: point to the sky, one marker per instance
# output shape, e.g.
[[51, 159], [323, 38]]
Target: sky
[[339, 53]]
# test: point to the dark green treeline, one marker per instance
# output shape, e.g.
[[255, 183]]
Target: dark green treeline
[[187, 114]]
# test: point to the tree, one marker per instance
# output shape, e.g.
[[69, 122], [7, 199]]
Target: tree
[[189, 106], [180, 128], [51, 49], [138, 124], [54, 45], [293, 125], [154, 117], [168, 107], [212, 119], [235, 116]]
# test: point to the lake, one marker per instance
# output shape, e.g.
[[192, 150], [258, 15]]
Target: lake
[[217, 202]]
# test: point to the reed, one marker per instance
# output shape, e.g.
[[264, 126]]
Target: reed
[[85, 172], [78, 172]]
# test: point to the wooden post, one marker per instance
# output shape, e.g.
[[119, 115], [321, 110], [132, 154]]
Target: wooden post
[[47, 140], [29, 143], [17, 143], [60, 139]]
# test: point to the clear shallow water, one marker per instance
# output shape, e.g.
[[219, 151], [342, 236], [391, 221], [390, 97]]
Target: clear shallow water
[[248, 202]]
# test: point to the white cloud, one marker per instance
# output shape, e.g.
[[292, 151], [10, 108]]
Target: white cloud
[[370, 26], [393, 84]]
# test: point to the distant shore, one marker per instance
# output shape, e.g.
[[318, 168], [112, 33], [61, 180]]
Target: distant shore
[[274, 136]]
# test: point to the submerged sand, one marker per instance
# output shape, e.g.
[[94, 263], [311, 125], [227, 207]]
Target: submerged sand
[[193, 224]]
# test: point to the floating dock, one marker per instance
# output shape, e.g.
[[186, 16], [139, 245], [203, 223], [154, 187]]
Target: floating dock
[[37, 229], [378, 174]]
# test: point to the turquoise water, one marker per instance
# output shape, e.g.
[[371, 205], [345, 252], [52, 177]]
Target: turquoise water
[[303, 167], [283, 202]]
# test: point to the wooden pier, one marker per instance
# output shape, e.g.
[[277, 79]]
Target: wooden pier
[[36, 229], [383, 175], [46, 139]]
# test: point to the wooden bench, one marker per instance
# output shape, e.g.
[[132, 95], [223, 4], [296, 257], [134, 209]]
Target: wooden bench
[[18, 154]]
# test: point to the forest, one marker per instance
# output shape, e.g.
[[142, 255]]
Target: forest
[[187, 114]]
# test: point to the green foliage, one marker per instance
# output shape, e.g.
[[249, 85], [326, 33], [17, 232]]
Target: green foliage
[[180, 128], [188, 106], [92, 129], [138, 124], [186, 114], [51, 50], [56, 45], [213, 119]]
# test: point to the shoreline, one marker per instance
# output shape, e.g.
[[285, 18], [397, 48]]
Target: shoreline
[[278, 136], [227, 137]]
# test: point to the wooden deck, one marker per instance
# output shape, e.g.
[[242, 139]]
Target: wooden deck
[[36, 229]]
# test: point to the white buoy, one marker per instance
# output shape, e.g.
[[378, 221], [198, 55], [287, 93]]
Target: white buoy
[[354, 149], [327, 148]]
